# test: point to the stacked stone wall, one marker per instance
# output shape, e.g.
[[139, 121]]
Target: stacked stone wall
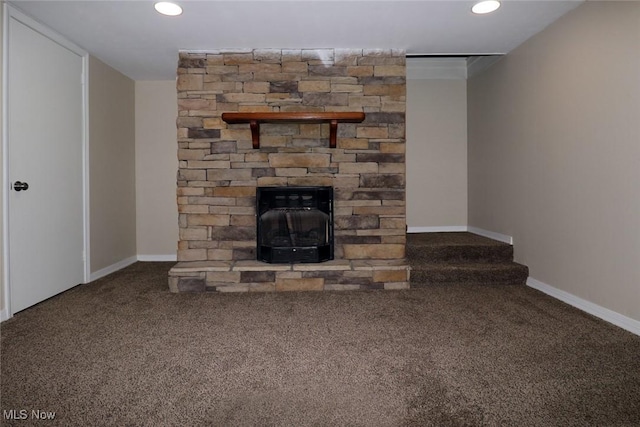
[[219, 170]]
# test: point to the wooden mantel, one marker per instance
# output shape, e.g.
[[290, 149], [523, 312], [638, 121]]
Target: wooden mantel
[[254, 120]]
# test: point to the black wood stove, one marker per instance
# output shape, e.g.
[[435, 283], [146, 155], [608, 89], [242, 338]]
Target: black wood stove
[[295, 224]]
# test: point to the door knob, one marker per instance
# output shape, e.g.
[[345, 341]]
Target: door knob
[[20, 186]]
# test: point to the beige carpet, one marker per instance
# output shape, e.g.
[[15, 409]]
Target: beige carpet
[[123, 351]]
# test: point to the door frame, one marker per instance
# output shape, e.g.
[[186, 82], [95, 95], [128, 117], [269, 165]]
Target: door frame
[[9, 13]]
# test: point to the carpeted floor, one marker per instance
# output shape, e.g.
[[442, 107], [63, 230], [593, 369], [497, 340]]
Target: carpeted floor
[[123, 351]]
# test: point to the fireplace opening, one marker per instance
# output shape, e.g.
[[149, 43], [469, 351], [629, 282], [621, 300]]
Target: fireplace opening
[[294, 224]]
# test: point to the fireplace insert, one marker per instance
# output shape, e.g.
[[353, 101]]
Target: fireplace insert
[[294, 224]]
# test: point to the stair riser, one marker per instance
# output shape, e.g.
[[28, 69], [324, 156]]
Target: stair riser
[[454, 254], [441, 275]]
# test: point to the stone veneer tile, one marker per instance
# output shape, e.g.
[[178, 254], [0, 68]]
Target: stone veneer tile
[[191, 284], [299, 160], [382, 251], [258, 276], [316, 284], [390, 276]]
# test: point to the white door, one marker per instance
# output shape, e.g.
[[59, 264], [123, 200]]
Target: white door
[[45, 127]]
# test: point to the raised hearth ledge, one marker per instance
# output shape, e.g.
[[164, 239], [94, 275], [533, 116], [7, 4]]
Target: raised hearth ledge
[[256, 276]]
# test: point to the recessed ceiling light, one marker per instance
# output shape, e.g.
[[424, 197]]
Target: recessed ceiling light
[[487, 6], [168, 8]]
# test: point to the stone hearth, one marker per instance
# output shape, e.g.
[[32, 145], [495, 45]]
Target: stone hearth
[[219, 170]]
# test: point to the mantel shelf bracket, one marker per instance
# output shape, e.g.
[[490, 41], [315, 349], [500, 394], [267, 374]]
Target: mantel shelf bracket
[[254, 120]]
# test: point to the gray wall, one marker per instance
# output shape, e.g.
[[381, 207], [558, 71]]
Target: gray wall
[[436, 153], [156, 168], [111, 166], [554, 154]]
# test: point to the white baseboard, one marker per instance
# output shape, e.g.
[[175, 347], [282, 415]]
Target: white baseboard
[[605, 314], [112, 268], [128, 261], [446, 229], [491, 235], [158, 258], [4, 315]]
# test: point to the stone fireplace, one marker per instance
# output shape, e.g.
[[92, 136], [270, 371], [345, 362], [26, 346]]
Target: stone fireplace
[[220, 170]]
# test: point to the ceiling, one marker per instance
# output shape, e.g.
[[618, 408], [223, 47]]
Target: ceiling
[[133, 38]]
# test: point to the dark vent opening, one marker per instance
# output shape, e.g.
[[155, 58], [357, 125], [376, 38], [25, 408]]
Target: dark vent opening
[[294, 224]]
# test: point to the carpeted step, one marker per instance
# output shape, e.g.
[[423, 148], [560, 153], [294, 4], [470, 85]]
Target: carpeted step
[[456, 247], [471, 273], [461, 257]]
